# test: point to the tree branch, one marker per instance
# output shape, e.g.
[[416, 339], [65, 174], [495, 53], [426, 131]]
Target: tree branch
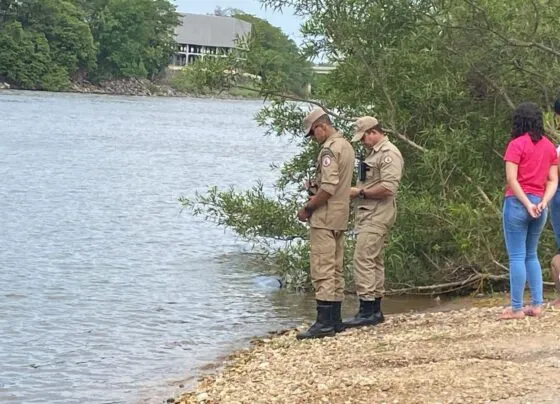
[[537, 17], [298, 99], [500, 155], [375, 76], [496, 87], [502, 37], [492, 83], [399, 135], [392, 108], [509, 41], [459, 284], [500, 265], [405, 139], [534, 76], [479, 189]]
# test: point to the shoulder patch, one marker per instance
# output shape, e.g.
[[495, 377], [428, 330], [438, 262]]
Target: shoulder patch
[[326, 160], [387, 159], [326, 152]]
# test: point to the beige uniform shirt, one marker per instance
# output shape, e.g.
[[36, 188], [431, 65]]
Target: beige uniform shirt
[[385, 166], [334, 169]]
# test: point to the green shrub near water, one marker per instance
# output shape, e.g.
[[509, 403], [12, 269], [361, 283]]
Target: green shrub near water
[[443, 77], [197, 79]]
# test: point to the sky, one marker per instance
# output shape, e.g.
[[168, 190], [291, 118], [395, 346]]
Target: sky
[[288, 22]]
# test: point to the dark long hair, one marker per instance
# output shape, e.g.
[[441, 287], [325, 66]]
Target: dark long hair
[[527, 118]]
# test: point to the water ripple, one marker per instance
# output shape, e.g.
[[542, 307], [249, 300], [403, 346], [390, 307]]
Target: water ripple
[[107, 286], [109, 292]]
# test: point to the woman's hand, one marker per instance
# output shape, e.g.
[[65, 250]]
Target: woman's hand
[[533, 210], [541, 206]]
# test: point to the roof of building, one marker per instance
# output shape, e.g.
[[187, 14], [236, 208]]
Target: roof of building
[[210, 30]]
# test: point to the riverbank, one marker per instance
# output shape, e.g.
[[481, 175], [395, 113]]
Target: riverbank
[[144, 88], [457, 356]]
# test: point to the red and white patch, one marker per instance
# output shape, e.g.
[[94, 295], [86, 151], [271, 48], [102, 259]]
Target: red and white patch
[[326, 161]]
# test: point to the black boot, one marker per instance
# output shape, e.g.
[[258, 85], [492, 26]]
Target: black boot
[[323, 327], [366, 315], [377, 313], [337, 317]]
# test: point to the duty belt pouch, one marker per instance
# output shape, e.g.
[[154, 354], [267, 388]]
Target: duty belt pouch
[[362, 170]]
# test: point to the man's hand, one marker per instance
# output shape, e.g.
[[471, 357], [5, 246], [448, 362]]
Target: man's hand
[[354, 192], [303, 215]]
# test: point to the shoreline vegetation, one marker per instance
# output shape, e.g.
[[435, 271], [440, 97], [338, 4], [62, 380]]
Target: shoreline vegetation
[[444, 100], [125, 47], [143, 88], [458, 354]]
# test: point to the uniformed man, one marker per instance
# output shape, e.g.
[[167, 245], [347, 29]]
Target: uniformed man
[[327, 212], [378, 181]]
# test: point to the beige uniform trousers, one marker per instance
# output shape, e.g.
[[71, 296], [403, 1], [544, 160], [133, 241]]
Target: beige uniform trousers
[[369, 269], [327, 256]]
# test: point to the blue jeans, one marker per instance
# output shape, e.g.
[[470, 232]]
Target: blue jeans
[[522, 233], [555, 216]]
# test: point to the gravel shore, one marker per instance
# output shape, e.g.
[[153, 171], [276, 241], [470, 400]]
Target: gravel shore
[[460, 356]]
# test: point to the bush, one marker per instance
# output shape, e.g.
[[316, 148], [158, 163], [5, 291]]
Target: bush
[[442, 77]]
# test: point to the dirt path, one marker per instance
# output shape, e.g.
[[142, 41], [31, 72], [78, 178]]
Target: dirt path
[[463, 356]]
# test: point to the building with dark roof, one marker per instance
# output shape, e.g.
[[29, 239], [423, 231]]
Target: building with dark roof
[[199, 35]]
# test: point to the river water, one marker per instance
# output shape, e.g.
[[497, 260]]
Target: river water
[[109, 292]]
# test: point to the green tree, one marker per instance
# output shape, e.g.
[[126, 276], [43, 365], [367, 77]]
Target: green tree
[[7, 9], [442, 76], [274, 57], [63, 24], [43, 43], [49, 42], [226, 12], [24, 56], [135, 37]]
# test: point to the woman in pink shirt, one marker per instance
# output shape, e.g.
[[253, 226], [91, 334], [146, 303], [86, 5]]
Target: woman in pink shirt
[[532, 178]]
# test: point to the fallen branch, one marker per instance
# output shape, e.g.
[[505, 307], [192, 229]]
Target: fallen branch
[[500, 265], [456, 285], [445, 288]]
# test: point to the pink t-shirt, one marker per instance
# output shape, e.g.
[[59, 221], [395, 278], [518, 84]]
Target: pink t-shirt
[[534, 161]]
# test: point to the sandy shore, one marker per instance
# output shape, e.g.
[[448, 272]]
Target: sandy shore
[[459, 356]]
